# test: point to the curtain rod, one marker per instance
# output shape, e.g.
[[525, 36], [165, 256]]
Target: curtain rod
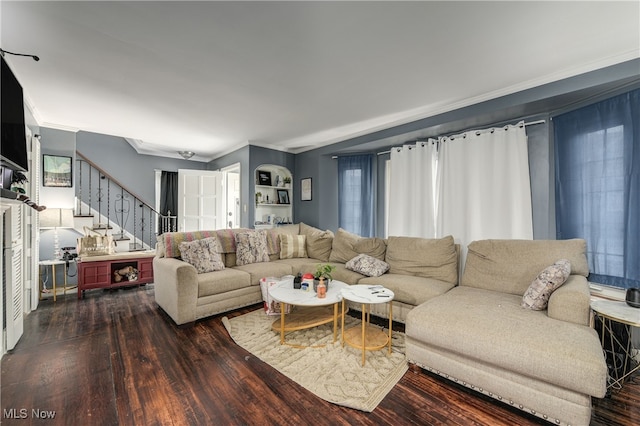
[[531, 123]]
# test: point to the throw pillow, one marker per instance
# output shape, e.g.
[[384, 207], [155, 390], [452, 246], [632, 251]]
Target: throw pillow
[[318, 242], [347, 245], [202, 254], [251, 247], [537, 295], [292, 246], [367, 265]]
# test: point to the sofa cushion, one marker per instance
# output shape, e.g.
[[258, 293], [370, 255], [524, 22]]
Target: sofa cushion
[[292, 246], [367, 265], [202, 254], [537, 295], [423, 257], [492, 327], [172, 240], [318, 242], [511, 265], [410, 289], [220, 282], [346, 246], [265, 269], [251, 247]]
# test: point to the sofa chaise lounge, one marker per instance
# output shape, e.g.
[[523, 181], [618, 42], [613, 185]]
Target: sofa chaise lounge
[[547, 362]]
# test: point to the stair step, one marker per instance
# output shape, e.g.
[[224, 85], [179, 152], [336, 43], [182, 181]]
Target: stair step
[[101, 226], [121, 238]]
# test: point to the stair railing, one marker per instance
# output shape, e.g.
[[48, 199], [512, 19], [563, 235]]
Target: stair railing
[[116, 209]]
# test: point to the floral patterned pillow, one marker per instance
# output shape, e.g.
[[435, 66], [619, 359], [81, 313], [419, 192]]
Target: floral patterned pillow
[[202, 254], [251, 247], [537, 295], [367, 265]]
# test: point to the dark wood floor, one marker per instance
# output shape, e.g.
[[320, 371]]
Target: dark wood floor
[[115, 359]]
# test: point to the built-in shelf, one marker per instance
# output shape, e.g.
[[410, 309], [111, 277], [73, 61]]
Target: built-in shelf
[[272, 200]]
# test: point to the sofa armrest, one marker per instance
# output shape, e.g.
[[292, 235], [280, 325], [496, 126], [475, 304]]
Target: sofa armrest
[[176, 288], [572, 301]]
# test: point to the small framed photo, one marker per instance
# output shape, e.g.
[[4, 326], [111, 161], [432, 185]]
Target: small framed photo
[[57, 171], [305, 189], [283, 196], [264, 178]]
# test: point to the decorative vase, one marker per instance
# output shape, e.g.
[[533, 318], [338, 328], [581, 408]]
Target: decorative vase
[[317, 281]]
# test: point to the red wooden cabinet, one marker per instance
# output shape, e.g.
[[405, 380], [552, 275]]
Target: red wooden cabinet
[[113, 272]]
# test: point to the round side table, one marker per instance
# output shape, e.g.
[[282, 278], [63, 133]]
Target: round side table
[[367, 337], [614, 311]]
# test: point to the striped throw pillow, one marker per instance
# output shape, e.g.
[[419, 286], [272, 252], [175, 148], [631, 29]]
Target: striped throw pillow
[[292, 246]]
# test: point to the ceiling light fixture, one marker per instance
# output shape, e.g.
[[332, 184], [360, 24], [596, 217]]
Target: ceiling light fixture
[[35, 58], [186, 154]]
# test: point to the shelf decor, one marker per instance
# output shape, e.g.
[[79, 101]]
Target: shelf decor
[[283, 196], [264, 178]]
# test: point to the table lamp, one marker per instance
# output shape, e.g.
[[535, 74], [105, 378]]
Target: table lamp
[[54, 219]]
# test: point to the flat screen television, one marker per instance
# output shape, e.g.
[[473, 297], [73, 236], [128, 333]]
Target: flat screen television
[[13, 142]]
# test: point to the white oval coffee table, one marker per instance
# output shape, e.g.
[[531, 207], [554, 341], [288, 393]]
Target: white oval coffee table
[[315, 311], [367, 337]]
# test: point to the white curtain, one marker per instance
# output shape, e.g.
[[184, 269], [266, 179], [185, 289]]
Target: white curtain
[[412, 190], [483, 186], [472, 186]]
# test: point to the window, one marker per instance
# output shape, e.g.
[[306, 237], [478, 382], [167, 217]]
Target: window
[[356, 194], [598, 185]]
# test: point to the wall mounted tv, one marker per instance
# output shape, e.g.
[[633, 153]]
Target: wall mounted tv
[[13, 142]]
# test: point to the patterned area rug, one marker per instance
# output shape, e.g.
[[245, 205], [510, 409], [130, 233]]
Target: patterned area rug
[[332, 372]]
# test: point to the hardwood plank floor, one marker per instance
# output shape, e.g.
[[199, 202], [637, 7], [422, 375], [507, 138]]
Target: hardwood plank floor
[[115, 358]]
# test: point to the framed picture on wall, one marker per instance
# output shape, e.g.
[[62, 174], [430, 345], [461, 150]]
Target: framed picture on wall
[[305, 189], [57, 171]]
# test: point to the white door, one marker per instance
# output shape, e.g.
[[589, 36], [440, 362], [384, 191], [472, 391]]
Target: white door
[[14, 274], [200, 200]]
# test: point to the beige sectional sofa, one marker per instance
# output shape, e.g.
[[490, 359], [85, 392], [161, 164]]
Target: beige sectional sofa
[[546, 362], [419, 269]]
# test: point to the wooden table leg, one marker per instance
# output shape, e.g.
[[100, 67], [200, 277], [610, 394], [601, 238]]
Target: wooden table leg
[[53, 280], [342, 327], [283, 309], [364, 328], [335, 322], [390, 324]]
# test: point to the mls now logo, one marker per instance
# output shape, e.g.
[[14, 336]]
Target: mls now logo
[[23, 413]]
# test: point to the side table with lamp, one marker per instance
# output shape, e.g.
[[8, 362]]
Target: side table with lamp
[[54, 218]]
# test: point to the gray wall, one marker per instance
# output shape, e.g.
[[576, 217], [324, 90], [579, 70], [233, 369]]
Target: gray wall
[[542, 102], [135, 172]]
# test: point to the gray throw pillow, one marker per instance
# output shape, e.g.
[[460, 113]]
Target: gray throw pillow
[[537, 295], [367, 265]]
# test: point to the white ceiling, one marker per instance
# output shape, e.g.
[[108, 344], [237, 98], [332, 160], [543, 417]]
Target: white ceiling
[[211, 77]]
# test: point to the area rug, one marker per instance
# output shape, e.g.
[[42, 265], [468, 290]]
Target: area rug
[[333, 373]]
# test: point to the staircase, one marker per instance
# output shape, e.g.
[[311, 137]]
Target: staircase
[[105, 205]]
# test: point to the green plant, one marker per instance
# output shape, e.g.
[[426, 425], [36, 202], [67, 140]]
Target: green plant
[[258, 195], [324, 270], [287, 179]]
